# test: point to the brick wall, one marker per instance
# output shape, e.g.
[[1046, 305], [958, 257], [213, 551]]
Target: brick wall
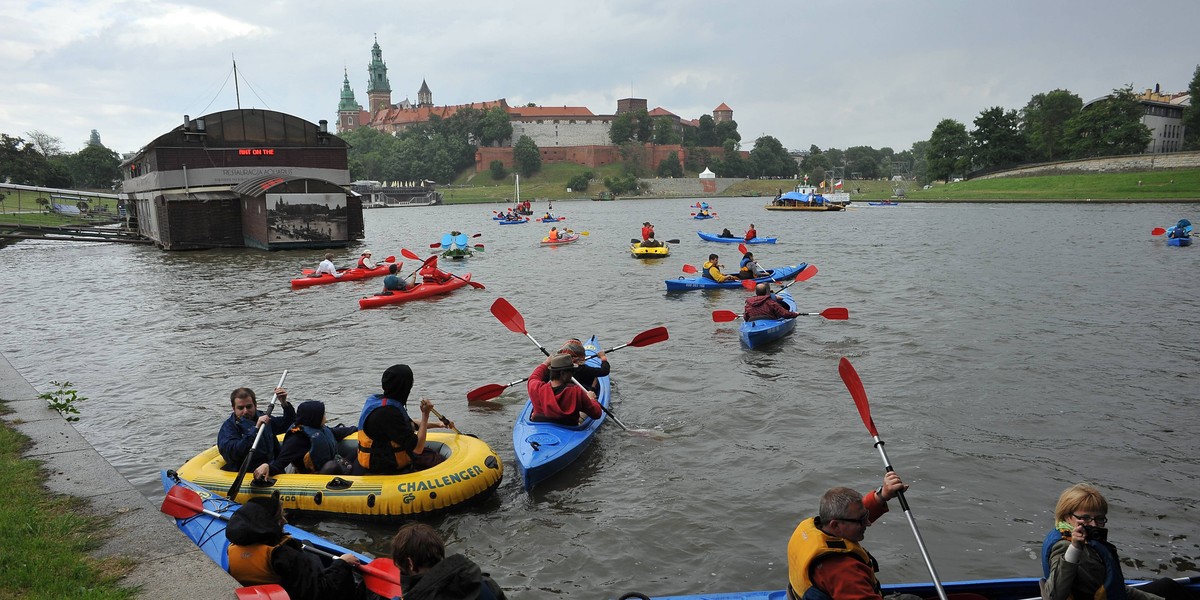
[[1109, 164], [589, 156]]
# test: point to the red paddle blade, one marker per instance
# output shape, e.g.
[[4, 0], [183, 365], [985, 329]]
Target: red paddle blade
[[742, 248], [410, 254], [836, 314], [433, 245], [487, 392], [650, 336], [390, 259], [382, 577], [724, 316], [267, 591], [749, 283], [854, 384], [690, 269], [508, 316], [807, 273], [182, 503], [1157, 231]]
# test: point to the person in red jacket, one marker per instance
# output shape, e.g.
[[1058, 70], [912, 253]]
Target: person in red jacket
[[555, 396], [751, 233], [765, 305], [647, 231]]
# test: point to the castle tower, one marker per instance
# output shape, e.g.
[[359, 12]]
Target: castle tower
[[348, 109], [379, 91], [424, 96], [722, 113]]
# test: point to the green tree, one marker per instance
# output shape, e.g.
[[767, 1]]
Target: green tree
[[94, 167], [863, 160], [1108, 127], [664, 131], [726, 131], [495, 127], [815, 159], [731, 164], [580, 182], [1191, 115], [1043, 121], [996, 140], [670, 167], [48, 145], [704, 134], [623, 184], [21, 163], [697, 159], [498, 170], [949, 150], [769, 158], [920, 164], [527, 158]]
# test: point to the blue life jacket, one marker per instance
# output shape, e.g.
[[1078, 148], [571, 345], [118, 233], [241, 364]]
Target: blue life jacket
[[1114, 580]]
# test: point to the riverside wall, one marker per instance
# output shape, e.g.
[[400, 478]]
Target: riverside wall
[[1108, 164]]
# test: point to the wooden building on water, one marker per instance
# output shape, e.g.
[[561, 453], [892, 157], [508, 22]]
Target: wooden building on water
[[244, 178]]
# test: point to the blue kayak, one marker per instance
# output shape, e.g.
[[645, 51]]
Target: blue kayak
[[1186, 241], [763, 331], [704, 283], [517, 222], [544, 449], [699, 216], [552, 219], [711, 237], [992, 589]]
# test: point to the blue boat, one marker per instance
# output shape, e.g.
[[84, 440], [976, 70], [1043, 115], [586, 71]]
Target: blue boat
[[544, 449], [517, 222], [884, 203], [704, 283], [712, 237], [552, 219], [1187, 241], [763, 331], [701, 216], [991, 589]]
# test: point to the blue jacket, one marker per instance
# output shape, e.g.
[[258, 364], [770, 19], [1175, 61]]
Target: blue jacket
[[237, 436]]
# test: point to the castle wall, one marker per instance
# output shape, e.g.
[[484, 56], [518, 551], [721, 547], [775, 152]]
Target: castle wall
[[564, 132]]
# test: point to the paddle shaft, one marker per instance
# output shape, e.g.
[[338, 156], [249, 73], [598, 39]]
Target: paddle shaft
[[444, 420], [887, 465], [602, 407], [237, 482]]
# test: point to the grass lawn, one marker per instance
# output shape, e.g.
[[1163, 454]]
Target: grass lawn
[[46, 538]]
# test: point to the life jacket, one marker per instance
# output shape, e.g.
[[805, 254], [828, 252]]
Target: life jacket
[[361, 264], [1114, 580], [751, 234], [747, 266], [322, 445], [807, 547], [707, 273], [365, 443], [251, 565]]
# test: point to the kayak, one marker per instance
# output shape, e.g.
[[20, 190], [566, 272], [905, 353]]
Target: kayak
[[566, 238], [884, 203], [704, 283], [470, 473], [415, 292], [354, 274], [1187, 241], [989, 589], [544, 449], [517, 222], [553, 219], [640, 251], [712, 237], [762, 331], [208, 531], [703, 216]]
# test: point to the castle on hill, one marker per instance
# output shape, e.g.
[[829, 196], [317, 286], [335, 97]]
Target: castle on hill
[[562, 133]]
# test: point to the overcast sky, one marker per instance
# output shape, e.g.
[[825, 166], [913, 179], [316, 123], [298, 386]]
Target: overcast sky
[[835, 73]]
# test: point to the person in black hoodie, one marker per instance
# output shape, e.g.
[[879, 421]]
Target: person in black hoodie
[[260, 552], [426, 573]]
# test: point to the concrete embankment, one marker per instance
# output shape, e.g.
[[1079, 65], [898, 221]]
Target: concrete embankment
[[168, 565]]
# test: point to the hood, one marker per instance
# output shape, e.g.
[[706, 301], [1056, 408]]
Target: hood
[[255, 523], [397, 383]]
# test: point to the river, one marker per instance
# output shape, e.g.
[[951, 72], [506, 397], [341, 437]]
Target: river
[[1008, 351]]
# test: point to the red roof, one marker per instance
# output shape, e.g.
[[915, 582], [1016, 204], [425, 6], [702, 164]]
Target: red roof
[[723, 107], [407, 116], [661, 112]]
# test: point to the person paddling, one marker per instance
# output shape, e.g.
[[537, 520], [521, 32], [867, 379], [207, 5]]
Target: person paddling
[[326, 267]]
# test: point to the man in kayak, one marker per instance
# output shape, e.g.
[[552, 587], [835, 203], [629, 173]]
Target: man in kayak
[[311, 446], [237, 433], [712, 270], [555, 398], [1182, 229], [326, 266], [389, 442], [826, 560], [426, 573], [393, 282], [765, 305], [585, 374], [751, 233], [748, 268], [364, 261], [260, 553]]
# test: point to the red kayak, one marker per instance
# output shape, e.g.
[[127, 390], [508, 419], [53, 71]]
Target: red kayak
[[416, 292], [353, 274]]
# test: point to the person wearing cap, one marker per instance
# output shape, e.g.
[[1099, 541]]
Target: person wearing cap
[[647, 231], [260, 552], [712, 270], [555, 396], [765, 305], [364, 261], [326, 267], [237, 433], [389, 442], [751, 233], [586, 374], [310, 446]]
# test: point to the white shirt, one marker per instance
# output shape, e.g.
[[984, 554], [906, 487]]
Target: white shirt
[[326, 266]]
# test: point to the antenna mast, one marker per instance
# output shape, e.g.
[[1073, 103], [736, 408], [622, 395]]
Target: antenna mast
[[236, 92]]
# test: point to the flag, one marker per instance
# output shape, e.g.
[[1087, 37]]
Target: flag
[[838, 184]]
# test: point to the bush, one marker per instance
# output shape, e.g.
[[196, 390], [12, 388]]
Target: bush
[[579, 183], [498, 170]]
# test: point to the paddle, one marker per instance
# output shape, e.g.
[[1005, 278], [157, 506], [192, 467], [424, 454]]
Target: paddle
[[510, 318], [237, 482], [833, 314], [854, 384], [1158, 231], [579, 232], [636, 241], [390, 259], [444, 420], [804, 275], [380, 575], [742, 248], [645, 338]]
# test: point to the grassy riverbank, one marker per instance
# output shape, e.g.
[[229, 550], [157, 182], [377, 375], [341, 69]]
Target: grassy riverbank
[[46, 538]]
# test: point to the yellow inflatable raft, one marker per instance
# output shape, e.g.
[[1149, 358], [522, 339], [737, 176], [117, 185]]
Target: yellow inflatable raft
[[640, 251], [470, 473]]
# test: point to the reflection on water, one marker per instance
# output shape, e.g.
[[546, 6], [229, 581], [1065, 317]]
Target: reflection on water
[[1007, 351]]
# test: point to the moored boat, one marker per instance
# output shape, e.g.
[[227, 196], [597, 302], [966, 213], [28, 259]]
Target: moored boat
[[712, 237], [703, 283], [352, 274], [417, 291], [884, 203], [544, 449], [470, 473], [757, 333], [810, 202]]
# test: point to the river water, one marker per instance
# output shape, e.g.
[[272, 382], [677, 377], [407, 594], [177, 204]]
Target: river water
[[1008, 351]]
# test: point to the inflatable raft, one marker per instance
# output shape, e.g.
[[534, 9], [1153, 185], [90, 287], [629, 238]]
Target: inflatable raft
[[639, 251]]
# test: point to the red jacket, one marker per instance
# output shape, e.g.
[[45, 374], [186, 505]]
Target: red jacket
[[844, 577], [766, 307], [563, 406], [647, 232], [751, 234]]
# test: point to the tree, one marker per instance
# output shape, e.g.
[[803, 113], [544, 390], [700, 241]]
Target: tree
[[498, 170], [726, 131], [769, 158], [1108, 127], [920, 164], [48, 145], [94, 167], [579, 183], [495, 127], [996, 140], [527, 158], [705, 133], [1191, 115], [21, 163], [949, 149], [731, 164], [664, 131], [863, 160], [1043, 120], [670, 167]]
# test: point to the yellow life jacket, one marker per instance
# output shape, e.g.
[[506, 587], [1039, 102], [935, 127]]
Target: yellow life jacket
[[809, 544], [251, 565]]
